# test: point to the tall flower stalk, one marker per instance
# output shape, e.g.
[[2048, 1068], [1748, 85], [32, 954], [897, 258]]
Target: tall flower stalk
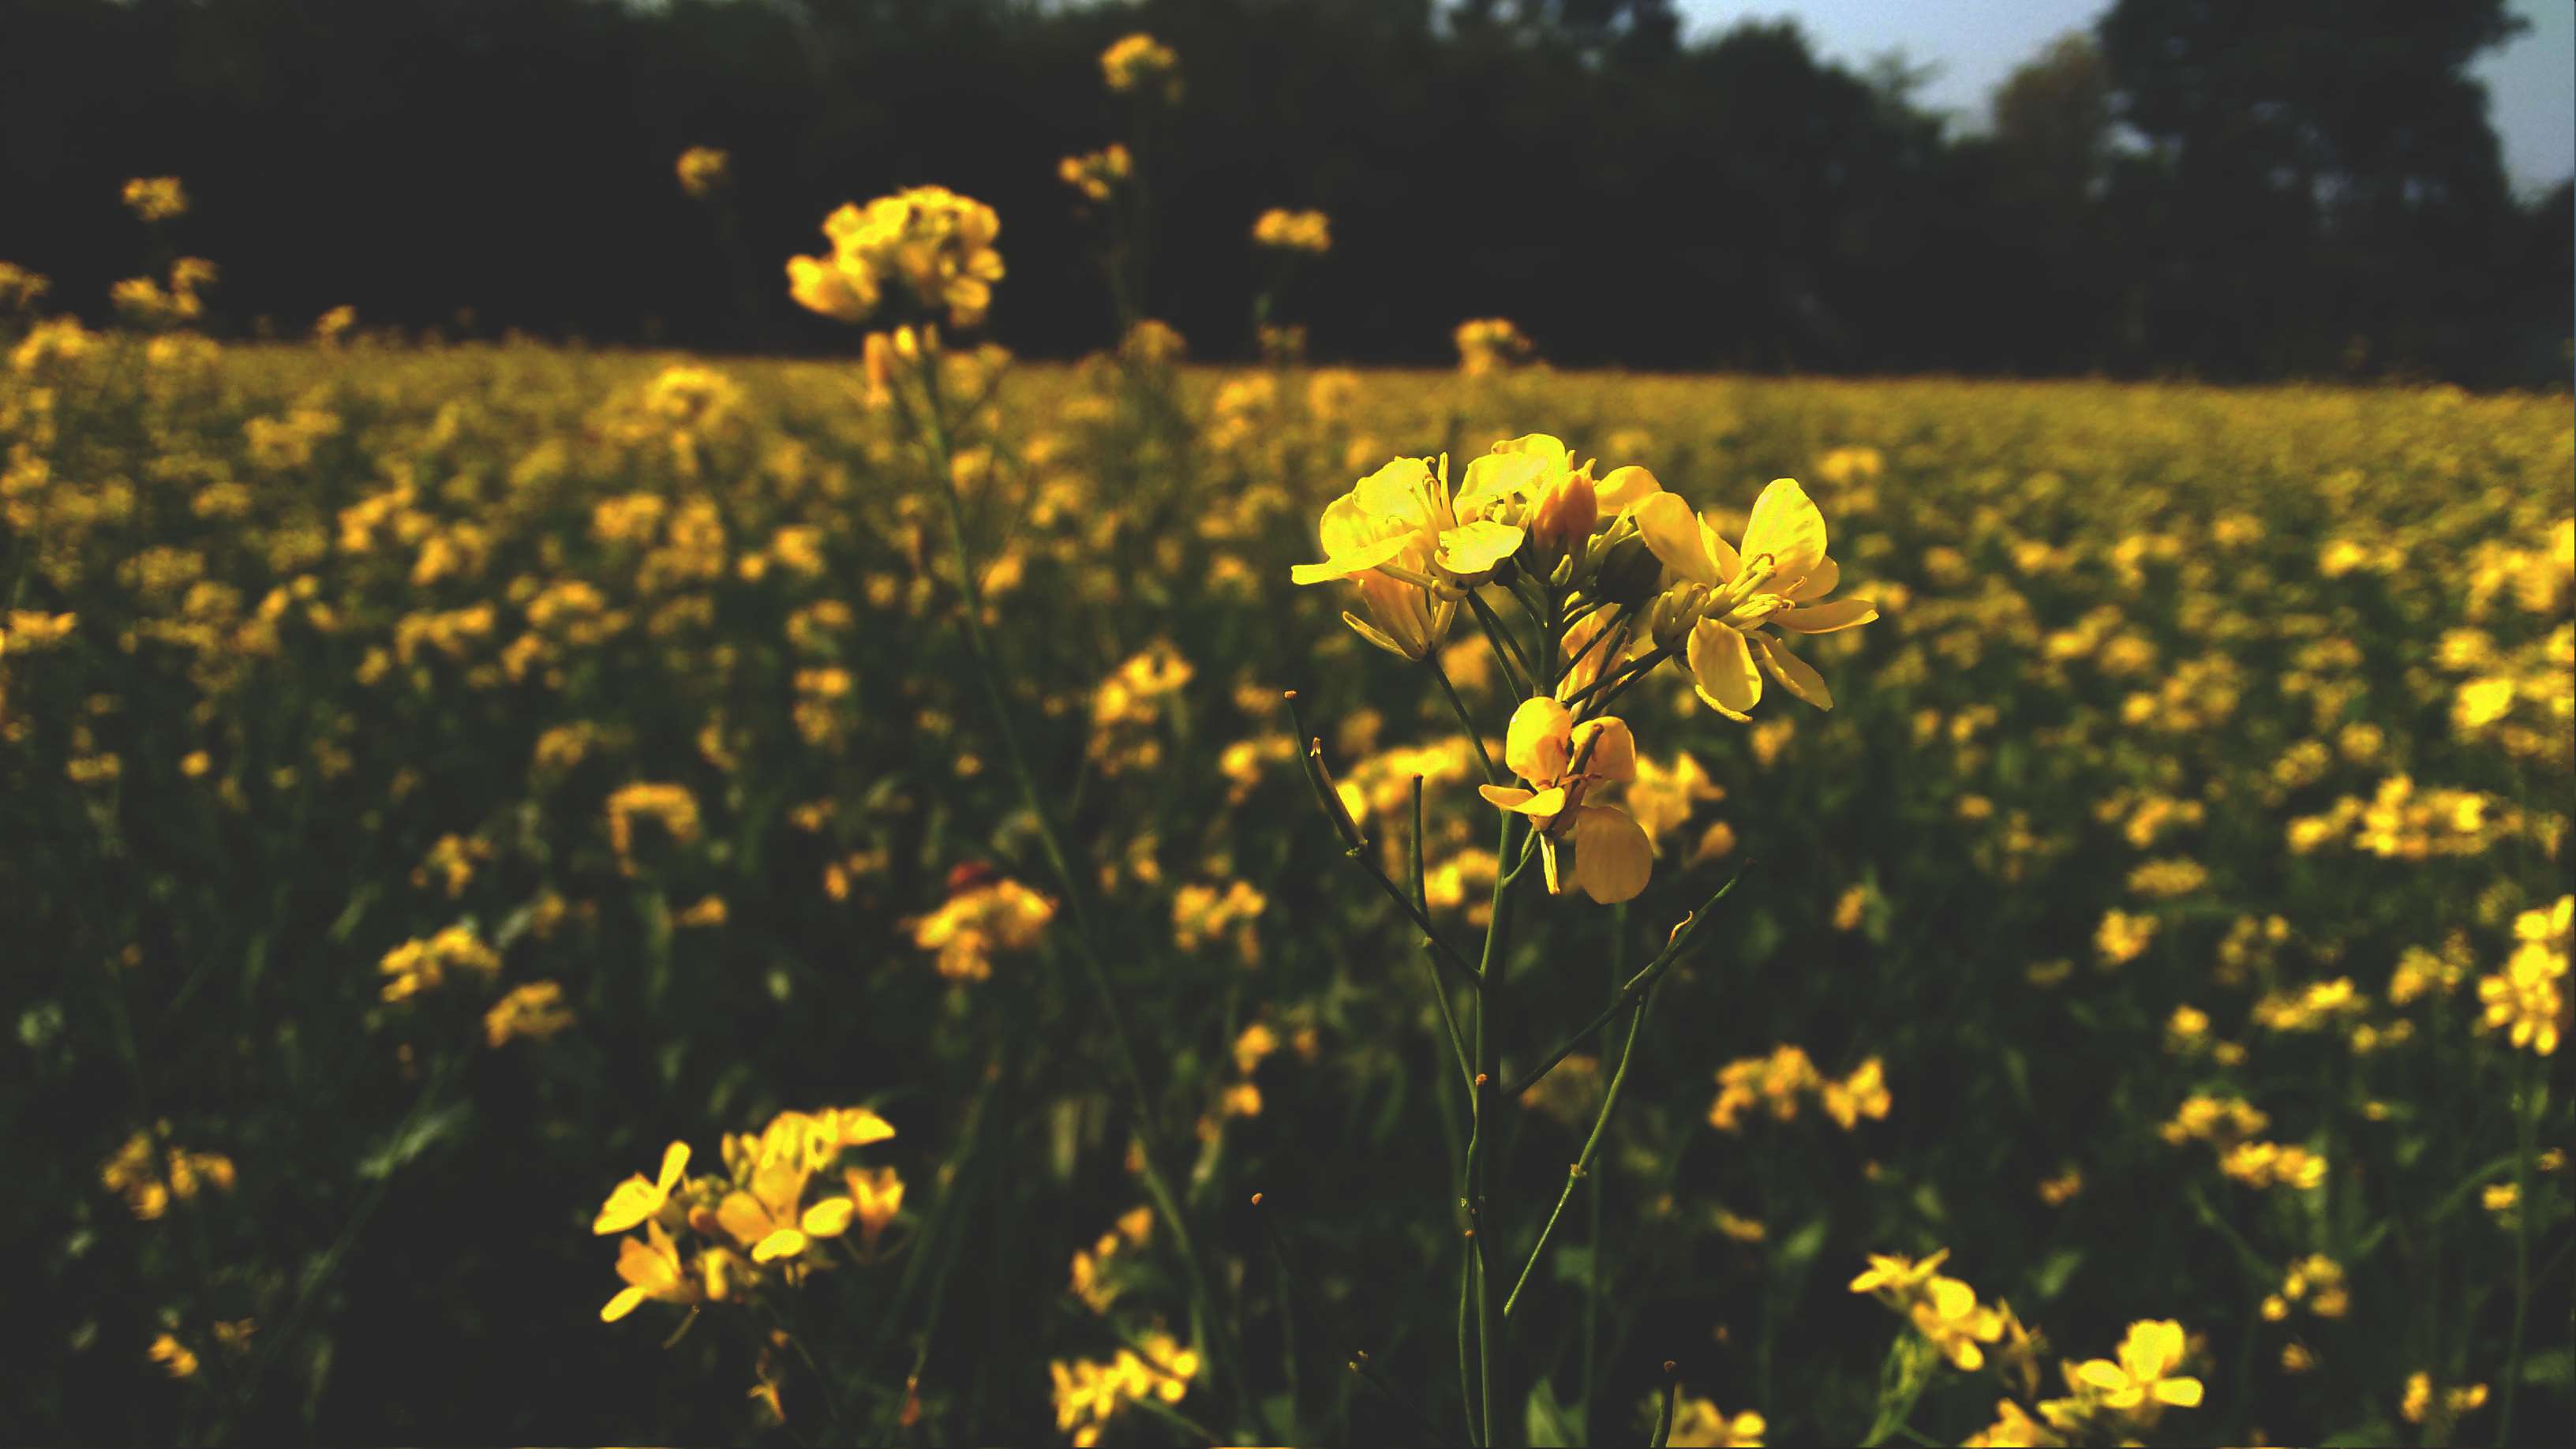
[[1581, 586]]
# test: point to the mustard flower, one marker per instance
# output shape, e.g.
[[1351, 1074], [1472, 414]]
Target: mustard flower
[[2143, 1382], [1294, 231], [1700, 1424], [1489, 344], [703, 171], [1140, 64], [1724, 596], [156, 198], [934, 243], [534, 1011], [651, 1267], [1607, 854], [1096, 174], [639, 1198]]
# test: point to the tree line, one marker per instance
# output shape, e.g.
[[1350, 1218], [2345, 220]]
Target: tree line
[[2305, 188]]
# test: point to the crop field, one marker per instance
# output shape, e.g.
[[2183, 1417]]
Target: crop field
[[434, 781]]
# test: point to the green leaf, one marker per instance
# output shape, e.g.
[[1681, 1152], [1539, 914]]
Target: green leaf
[[1549, 1427], [2555, 1368], [1800, 1248], [2050, 1279], [411, 1142]]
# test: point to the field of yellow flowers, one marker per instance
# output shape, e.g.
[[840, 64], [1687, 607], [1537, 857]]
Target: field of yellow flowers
[[437, 779], [578, 897]]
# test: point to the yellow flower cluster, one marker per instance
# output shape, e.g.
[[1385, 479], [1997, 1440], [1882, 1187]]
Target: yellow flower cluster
[[1777, 1082], [2133, 1392], [932, 242], [1091, 1280], [21, 289], [751, 1226], [420, 965], [2420, 1405], [2315, 1283], [532, 1012], [147, 303], [1700, 1424], [148, 1193], [2401, 822], [1089, 1394], [1130, 703], [1202, 913], [703, 171], [156, 198], [1141, 65], [1944, 1310], [672, 805], [979, 919], [1490, 344], [1097, 174], [2528, 998], [1294, 231]]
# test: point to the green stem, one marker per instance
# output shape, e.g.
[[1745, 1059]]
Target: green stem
[[1664, 1411], [1636, 986], [1439, 991], [1466, 721], [2526, 1126], [988, 671], [1357, 848], [1591, 1145], [1507, 650]]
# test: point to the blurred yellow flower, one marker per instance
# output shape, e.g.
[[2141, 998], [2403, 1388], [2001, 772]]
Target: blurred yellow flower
[[703, 170], [1141, 64], [1294, 231]]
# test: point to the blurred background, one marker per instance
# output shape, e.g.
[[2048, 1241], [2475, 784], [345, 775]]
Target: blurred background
[[2312, 188]]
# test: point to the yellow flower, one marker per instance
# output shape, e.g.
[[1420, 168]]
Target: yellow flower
[[1403, 517], [703, 170], [2143, 1380], [156, 198], [2526, 995], [937, 244], [1097, 173], [2013, 1428], [1662, 797], [1136, 62], [535, 1011], [1294, 231], [1610, 857], [979, 920], [636, 1199], [1947, 1313], [173, 1356], [651, 1270], [1862, 1094], [1725, 596], [876, 1195], [1700, 1424], [1896, 1277], [1489, 344]]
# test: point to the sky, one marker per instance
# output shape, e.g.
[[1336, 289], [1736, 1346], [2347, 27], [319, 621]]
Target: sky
[[2531, 82]]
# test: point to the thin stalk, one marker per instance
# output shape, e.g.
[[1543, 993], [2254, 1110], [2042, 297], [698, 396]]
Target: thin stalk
[[1616, 683], [2526, 1126], [1507, 650], [988, 671], [1466, 721], [1664, 1411], [1356, 847], [1591, 1145], [1466, 1366], [1439, 992], [1636, 985], [1594, 1277]]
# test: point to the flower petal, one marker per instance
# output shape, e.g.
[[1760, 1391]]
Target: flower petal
[[1614, 750], [2181, 1393], [626, 1302], [1403, 489], [1539, 740], [1786, 525], [1672, 534], [784, 1243], [829, 1218], [1612, 857], [1358, 560], [1819, 582], [1793, 672], [675, 1160], [1826, 618], [1624, 489], [1507, 797], [1721, 664], [1474, 548]]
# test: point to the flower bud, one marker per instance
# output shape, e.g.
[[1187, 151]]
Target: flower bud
[[1564, 515]]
